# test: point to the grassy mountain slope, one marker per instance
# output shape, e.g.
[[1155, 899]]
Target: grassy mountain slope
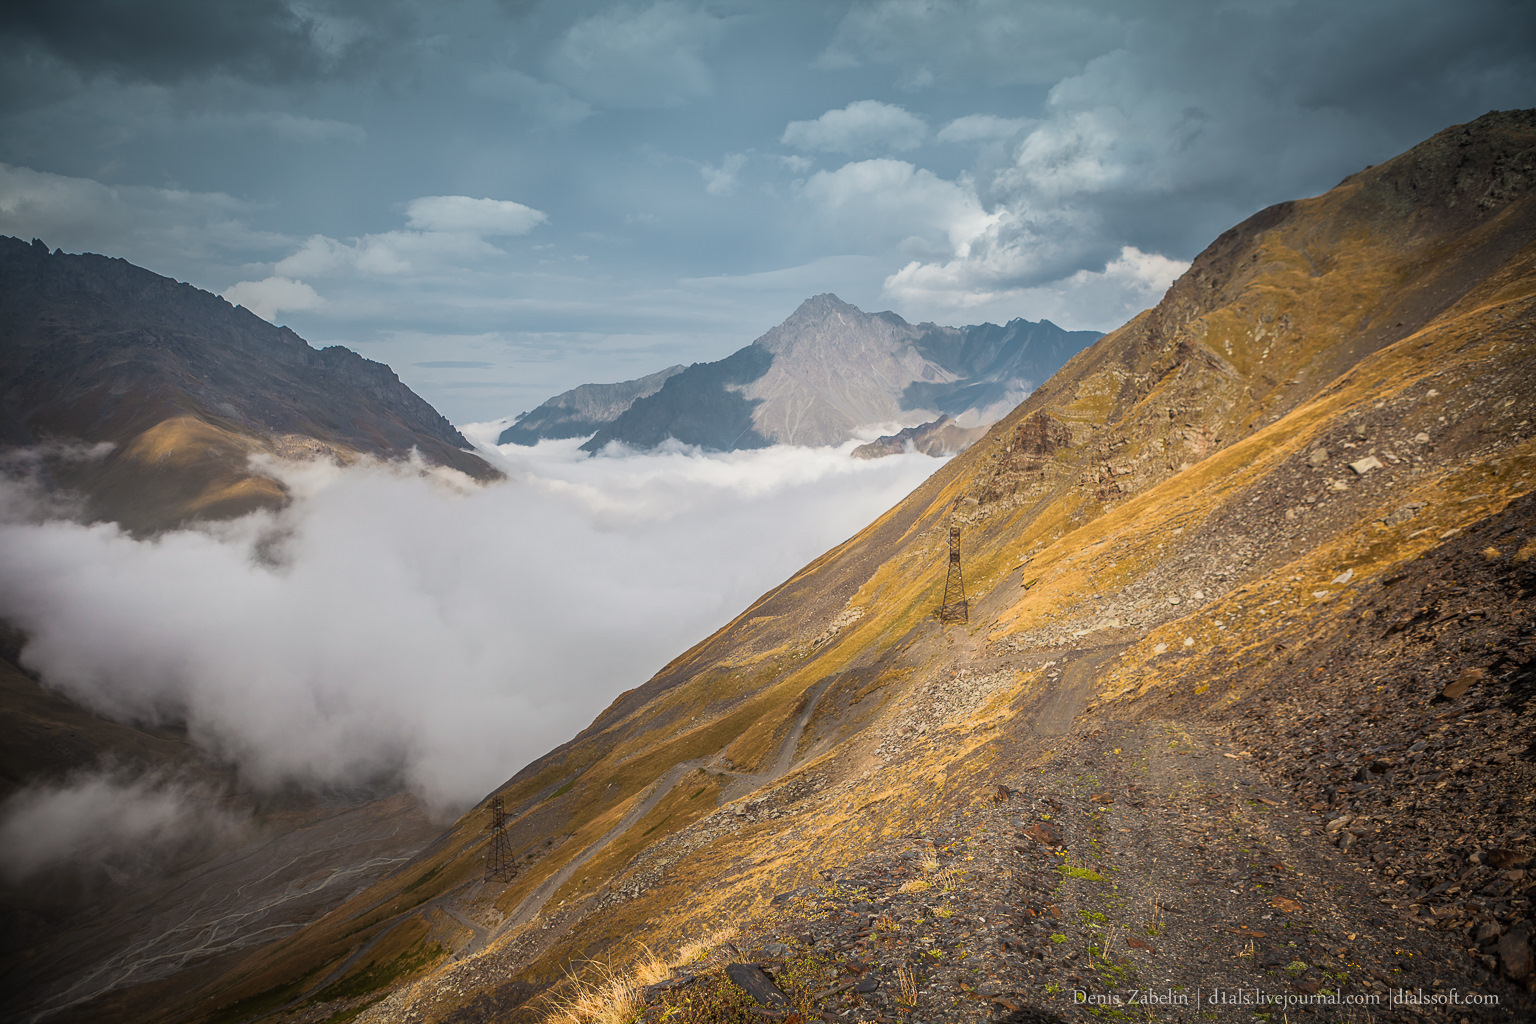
[[1165, 540]]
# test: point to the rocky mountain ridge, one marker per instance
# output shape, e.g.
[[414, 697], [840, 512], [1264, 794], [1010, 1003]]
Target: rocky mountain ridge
[[582, 411], [828, 370], [185, 387]]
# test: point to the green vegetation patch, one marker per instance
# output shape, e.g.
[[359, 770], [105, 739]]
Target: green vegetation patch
[[715, 999], [423, 880], [1073, 871], [264, 1002], [378, 975]]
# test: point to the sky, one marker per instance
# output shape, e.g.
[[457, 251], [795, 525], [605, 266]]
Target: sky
[[503, 199]]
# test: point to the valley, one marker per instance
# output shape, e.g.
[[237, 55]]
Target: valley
[[1241, 703]]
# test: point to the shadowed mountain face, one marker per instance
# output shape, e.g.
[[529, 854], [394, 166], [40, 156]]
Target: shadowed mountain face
[[581, 412], [185, 387], [831, 368], [707, 405], [1248, 589]]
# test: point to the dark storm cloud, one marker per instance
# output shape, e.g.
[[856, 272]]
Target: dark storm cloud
[[168, 41]]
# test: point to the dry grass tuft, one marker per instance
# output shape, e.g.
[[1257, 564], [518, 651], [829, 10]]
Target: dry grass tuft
[[699, 949], [916, 885], [611, 997], [651, 969], [906, 982], [608, 999]]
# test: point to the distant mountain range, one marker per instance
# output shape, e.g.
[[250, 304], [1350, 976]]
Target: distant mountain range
[[581, 412], [184, 387], [827, 371]]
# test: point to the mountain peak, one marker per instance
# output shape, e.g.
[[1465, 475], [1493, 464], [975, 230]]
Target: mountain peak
[[824, 304]]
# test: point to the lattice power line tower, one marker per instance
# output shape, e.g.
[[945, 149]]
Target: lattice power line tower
[[498, 857], [955, 607]]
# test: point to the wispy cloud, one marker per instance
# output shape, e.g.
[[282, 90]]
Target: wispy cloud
[[107, 821], [864, 126]]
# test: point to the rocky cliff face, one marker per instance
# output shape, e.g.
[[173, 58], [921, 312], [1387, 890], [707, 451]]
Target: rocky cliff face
[[830, 369], [1243, 698], [185, 387]]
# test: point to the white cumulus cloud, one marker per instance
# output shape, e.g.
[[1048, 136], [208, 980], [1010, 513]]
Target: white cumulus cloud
[[885, 199], [442, 232], [472, 216], [1084, 300], [981, 128], [270, 296], [863, 126], [721, 181]]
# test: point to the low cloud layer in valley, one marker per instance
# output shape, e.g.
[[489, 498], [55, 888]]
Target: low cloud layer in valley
[[395, 624], [109, 824]]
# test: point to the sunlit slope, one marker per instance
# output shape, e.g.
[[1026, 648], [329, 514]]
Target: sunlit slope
[[1157, 507]]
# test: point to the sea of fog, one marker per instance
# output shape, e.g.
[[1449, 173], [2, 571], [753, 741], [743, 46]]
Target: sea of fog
[[405, 624]]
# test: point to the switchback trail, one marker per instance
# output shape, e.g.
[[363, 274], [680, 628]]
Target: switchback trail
[[741, 784]]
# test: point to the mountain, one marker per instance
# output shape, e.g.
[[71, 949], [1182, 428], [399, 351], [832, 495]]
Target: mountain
[[582, 411], [184, 388], [942, 436], [1242, 698], [149, 397], [831, 368]]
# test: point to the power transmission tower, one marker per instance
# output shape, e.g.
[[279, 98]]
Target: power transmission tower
[[955, 607], [498, 858]]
